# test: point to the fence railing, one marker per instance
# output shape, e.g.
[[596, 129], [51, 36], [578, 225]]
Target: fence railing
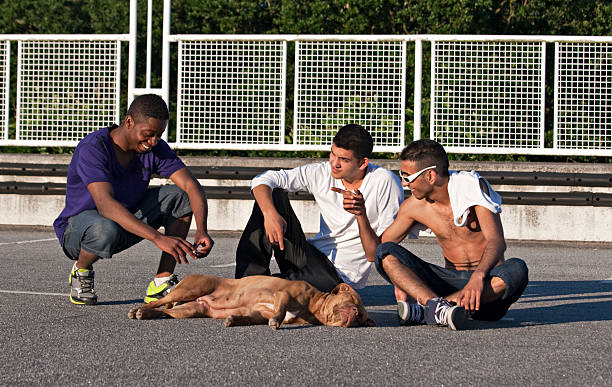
[[487, 93], [67, 86]]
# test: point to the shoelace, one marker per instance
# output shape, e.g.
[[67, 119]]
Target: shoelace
[[86, 282], [173, 280], [441, 313]]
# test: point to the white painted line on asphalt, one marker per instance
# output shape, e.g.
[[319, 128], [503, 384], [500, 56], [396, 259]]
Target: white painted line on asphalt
[[35, 293], [30, 241]]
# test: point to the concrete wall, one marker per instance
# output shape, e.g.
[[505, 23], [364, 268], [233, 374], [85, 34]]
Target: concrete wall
[[560, 223]]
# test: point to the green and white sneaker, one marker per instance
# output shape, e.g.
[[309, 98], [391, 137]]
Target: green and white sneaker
[[155, 292], [81, 282]]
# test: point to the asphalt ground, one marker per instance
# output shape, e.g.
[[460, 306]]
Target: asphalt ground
[[559, 333]]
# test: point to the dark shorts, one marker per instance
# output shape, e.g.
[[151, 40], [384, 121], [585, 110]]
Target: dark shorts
[[90, 231], [444, 281]]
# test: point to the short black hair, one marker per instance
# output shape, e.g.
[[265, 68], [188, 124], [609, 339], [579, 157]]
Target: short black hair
[[354, 137], [148, 106], [426, 153]]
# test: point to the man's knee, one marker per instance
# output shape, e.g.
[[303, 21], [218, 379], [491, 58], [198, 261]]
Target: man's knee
[[174, 204], [515, 276], [387, 255], [101, 235]]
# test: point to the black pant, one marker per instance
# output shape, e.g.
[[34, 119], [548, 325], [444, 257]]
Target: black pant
[[299, 261]]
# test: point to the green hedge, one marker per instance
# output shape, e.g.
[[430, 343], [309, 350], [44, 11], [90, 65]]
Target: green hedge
[[516, 17]]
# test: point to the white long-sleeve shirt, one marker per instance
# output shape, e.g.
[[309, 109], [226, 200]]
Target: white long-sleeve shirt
[[338, 236]]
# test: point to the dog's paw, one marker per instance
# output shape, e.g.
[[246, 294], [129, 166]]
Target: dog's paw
[[229, 321], [141, 314], [273, 323], [132, 312]]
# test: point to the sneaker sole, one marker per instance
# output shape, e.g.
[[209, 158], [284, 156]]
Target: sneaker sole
[[457, 319], [402, 311], [79, 302]]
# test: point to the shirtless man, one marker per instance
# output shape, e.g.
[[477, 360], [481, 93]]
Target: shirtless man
[[462, 210]]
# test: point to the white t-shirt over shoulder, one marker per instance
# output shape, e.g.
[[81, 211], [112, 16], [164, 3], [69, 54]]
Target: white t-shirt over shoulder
[[338, 236]]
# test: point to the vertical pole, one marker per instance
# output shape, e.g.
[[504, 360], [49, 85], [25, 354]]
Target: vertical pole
[[179, 88], [18, 107], [432, 105], [296, 92], [418, 77], [283, 95], [556, 99], [118, 85], [543, 97], [7, 95], [165, 88], [402, 133], [149, 32], [132, 52]]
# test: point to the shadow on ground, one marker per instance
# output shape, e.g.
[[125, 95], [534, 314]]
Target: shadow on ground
[[542, 303]]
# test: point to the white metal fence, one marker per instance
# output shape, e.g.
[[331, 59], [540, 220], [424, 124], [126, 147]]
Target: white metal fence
[[231, 92], [583, 96], [67, 87], [487, 93]]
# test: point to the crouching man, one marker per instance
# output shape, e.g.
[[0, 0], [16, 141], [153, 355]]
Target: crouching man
[[110, 206]]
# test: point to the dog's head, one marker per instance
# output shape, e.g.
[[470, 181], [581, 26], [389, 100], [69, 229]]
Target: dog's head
[[344, 308]]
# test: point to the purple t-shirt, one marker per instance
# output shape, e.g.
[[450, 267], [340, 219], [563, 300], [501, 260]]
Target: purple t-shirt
[[94, 160]]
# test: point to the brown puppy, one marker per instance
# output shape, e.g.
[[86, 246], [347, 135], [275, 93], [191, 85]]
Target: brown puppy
[[258, 300]]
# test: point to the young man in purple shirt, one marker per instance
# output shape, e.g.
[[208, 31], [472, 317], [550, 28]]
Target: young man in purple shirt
[[109, 206]]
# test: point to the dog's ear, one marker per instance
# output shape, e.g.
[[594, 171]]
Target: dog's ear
[[341, 288]]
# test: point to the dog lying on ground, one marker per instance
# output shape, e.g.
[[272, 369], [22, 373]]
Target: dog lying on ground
[[258, 300]]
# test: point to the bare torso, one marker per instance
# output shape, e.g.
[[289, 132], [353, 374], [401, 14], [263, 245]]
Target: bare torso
[[462, 246]]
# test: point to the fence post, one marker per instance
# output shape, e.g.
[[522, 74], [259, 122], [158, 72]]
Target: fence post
[[418, 77], [132, 52]]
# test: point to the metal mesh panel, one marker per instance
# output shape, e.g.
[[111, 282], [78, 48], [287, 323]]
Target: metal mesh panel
[[231, 92], [584, 96], [4, 87], [66, 88], [487, 94], [349, 82]]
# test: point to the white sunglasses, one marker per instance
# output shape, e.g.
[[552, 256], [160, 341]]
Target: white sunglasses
[[410, 178]]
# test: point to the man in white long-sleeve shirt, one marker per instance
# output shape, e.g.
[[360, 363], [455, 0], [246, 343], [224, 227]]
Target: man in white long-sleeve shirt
[[355, 199]]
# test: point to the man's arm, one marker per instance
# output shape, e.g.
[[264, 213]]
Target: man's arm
[[353, 202], [199, 206], [493, 252], [399, 229], [102, 194]]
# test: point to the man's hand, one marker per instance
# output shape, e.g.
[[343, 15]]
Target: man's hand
[[353, 201], [275, 226], [203, 244], [469, 296], [175, 246]]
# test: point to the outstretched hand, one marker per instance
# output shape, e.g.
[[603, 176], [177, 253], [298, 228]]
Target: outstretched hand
[[469, 296], [203, 245], [177, 247], [353, 201]]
